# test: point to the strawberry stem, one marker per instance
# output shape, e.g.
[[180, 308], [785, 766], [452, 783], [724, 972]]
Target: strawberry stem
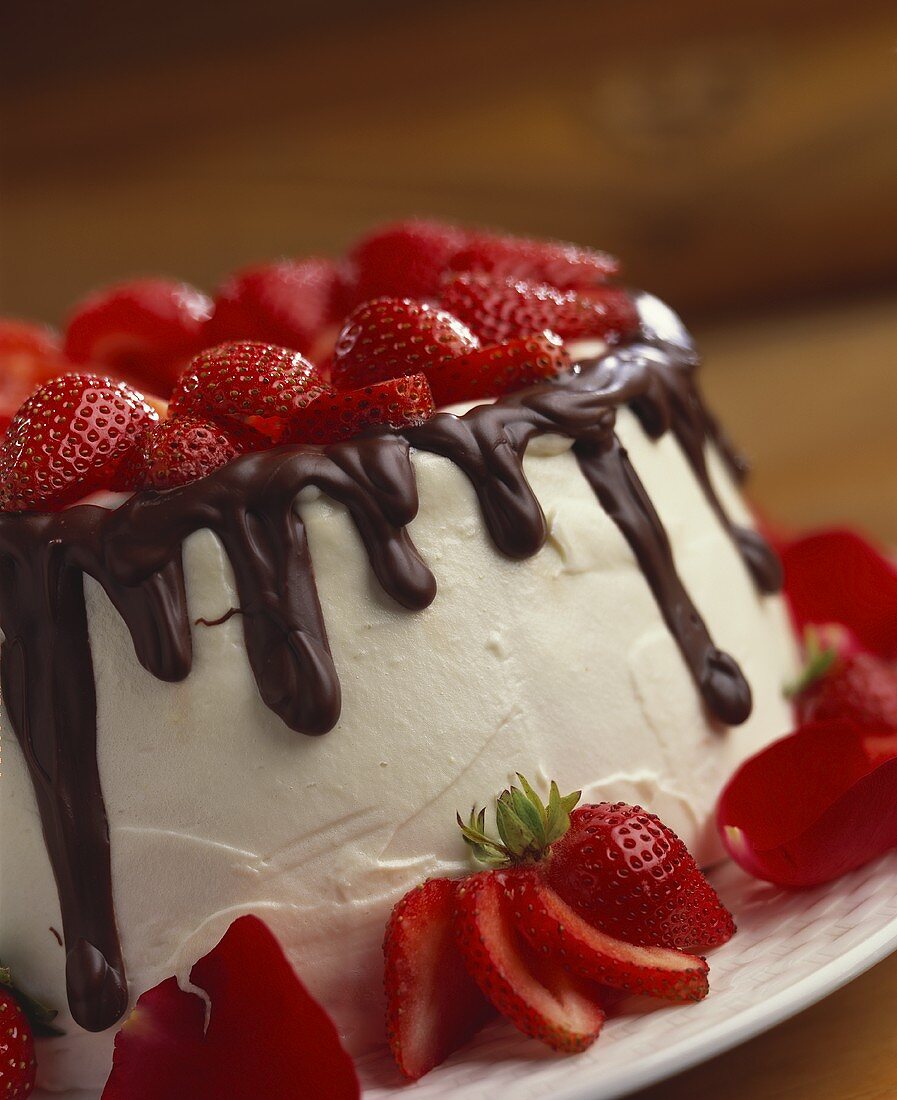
[[818, 659]]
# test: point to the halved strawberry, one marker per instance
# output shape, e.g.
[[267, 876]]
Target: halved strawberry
[[69, 440], [29, 355], [501, 309], [404, 260], [539, 996], [289, 303], [550, 925], [498, 369], [175, 452], [266, 1036], [629, 875], [389, 337], [249, 384], [559, 263], [398, 403], [433, 1006], [144, 331]]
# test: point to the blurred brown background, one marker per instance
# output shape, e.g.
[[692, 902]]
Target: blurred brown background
[[741, 157]]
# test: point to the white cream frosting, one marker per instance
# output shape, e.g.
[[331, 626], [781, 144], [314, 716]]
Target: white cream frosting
[[559, 666]]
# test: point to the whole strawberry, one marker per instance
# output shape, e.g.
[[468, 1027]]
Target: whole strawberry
[[69, 439], [559, 263], [404, 260], [18, 1067], [861, 688]]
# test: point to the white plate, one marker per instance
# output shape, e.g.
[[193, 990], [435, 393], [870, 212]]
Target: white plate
[[792, 949]]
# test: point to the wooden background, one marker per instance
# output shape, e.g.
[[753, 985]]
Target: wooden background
[[741, 157]]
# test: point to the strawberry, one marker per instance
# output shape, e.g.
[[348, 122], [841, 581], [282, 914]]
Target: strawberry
[[500, 309], [144, 331], [539, 996], [18, 1067], [248, 384], [433, 1006], [563, 265], [289, 303], [388, 337], [29, 355], [264, 1037], [68, 440], [620, 868], [404, 260], [860, 688], [501, 368], [175, 452], [396, 403]]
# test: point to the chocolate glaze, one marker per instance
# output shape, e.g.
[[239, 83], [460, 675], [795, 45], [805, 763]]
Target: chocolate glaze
[[135, 554]]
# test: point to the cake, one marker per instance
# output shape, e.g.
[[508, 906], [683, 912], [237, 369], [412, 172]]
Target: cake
[[269, 689]]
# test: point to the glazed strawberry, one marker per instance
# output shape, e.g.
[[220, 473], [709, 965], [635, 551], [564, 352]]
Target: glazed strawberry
[[501, 309], [541, 998], [405, 260], [144, 331], [68, 440], [175, 452], [18, 1067], [248, 384], [264, 1037], [433, 1006], [563, 265], [388, 337], [498, 369], [861, 689], [289, 303], [29, 355], [629, 875], [397, 403]]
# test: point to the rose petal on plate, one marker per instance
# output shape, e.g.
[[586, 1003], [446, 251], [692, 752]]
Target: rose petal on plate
[[836, 576], [812, 806]]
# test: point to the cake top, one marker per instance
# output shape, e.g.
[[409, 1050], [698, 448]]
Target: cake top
[[161, 385]]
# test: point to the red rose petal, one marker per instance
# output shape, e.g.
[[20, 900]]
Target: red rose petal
[[812, 806], [835, 576], [266, 1036]]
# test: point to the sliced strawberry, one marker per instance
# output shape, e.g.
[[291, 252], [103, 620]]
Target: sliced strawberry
[[550, 925], [397, 403], [249, 384], [502, 309], [175, 452], [556, 262], [388, 337], [538, 996], [29, 355], [289, 303], [68, 440], [266, 1037], [433, 1006], [405, 260], [630, 876], [499, 369], [144, 331], [18, 1066]]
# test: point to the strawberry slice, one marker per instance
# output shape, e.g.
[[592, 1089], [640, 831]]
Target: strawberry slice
[[662, 900], [289, 303], [29, 355], [501, 309], [175, 452], [563, 265], [389, 337], [68, 440], [433, 1006], [540, 997], [144, 331], [248, 384], [404, 260], [266, 1036], [499, 369], [398, 403], [550, 925]]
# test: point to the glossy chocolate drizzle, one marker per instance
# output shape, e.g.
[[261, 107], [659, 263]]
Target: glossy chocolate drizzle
[[135, 554]]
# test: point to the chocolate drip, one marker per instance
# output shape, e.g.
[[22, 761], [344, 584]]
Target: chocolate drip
[[254, 506]]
